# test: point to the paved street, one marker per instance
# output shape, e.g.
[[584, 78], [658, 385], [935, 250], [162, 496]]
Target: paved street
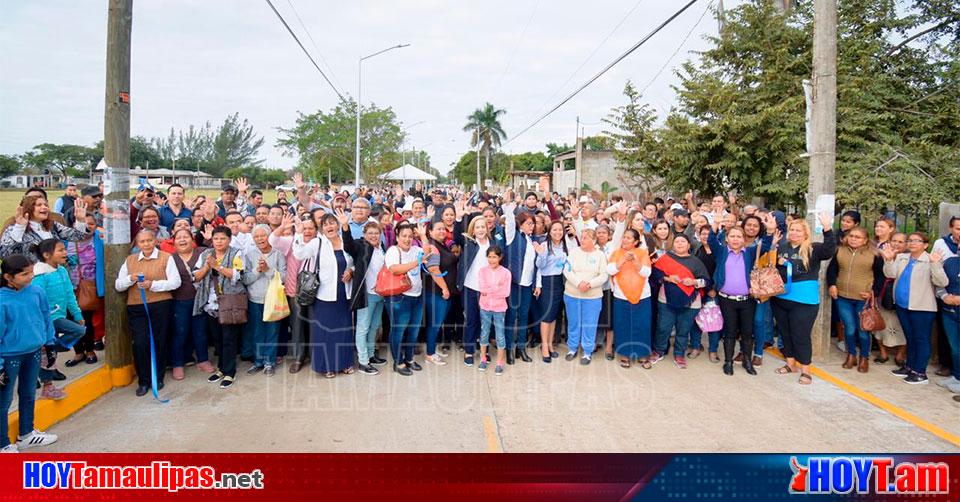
[[561, 407]]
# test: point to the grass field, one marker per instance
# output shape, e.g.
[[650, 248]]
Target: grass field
[[9, 199]]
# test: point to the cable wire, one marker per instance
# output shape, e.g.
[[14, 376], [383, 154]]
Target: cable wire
[[315, 47], [606, 68], [677, 51], [315, 65]]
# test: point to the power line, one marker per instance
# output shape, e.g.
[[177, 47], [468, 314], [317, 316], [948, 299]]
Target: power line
[[516, 47], [315, 47], [677, 51], [606, 68], [589, 57], [315, 65]]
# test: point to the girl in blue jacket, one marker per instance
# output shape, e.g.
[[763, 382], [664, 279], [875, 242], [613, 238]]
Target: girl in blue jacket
[[25, 327]]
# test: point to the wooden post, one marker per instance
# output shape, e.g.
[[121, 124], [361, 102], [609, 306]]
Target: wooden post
[[823, 151], [116, 152]]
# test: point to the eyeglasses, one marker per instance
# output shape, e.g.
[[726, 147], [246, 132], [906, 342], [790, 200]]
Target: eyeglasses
[[915, 241]]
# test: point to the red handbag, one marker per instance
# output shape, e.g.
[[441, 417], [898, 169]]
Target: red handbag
[[390, 284]]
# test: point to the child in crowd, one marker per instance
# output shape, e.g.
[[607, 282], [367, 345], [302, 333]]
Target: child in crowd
[[25, 327], [494, 290]]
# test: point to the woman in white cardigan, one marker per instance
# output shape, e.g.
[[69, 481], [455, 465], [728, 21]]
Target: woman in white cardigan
[[331, 332]]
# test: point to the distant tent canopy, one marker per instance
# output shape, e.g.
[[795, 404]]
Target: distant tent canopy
[[407, 172]]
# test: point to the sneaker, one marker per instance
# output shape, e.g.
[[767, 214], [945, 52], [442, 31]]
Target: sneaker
[[498, 371], [468, 361], [585, 360], [377, 360], [482, 366], [680, 362], [215, 377], [916, 379], [946, 381], [901, 372], [51, 392], [268, 370], [953, 387], [35, 439], [415, 366], [655, 357], [10, 448], [367, 369], [256, 368], [226, 382], [842, 346], [403, 370], [570, 356], [436, 359]]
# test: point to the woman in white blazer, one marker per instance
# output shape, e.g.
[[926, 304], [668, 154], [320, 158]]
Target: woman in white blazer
[[331, 331]]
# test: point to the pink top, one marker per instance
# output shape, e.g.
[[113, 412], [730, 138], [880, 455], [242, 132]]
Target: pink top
[[285, 246], [494, 288]]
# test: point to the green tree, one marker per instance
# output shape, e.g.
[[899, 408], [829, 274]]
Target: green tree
[[554, 149], [324, 142], [635, 142], [59, 158], [485, 129], [9, 165], [234, 144]]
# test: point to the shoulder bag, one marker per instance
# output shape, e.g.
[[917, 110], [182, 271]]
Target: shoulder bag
[[86, 291], [870, 318], [765, 281], [308, 283], [390, 284]]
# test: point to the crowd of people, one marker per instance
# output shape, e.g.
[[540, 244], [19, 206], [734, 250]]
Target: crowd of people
[[436, 273]]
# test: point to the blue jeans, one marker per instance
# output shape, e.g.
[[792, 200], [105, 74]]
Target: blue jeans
[[26, 367], [436, 313], [762, 327], [713, 338], [70, 332], [917, 327], [582, 317], [951, 328], [368, 322], [187, 326], [494, 320], [518, 315], [406, 313], [855, 336], [265, 335], [671, 317]]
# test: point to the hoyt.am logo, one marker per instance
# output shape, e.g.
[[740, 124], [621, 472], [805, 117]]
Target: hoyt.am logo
[[878, 475]]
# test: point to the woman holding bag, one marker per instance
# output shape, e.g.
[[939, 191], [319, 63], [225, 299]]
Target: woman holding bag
[[855, 278], [261, 263], [84, 278], [629, 269], [219, 274], [331, 330], [282, 240], [186, 324], [405, 309]]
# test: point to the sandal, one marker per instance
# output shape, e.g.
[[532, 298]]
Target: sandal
[[646, 364], [625, 363], [609, 356], [348, 371], [805, 379], [783, 370], [329, 374]]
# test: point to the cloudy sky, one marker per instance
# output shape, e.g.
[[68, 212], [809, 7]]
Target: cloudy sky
[[195, 61]]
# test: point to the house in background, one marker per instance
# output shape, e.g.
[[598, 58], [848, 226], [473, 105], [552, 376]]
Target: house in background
[[578, 167]]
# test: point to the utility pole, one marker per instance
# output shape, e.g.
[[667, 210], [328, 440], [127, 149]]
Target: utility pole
[[116, 152], [479, 181], [823, 152]]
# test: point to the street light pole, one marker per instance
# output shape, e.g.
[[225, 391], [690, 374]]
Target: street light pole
[[356, 160]]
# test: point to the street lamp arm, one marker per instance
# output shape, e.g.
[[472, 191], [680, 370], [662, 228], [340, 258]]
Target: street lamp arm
[[400, 46]]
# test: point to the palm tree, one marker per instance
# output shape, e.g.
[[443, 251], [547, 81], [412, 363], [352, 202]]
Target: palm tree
[[484, 124]]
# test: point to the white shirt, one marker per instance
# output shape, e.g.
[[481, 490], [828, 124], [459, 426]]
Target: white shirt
[[17, 230], [529, 259], [395, 256], [941, 247], [373, 269], [172, 281], [243, 243], [472, 280]]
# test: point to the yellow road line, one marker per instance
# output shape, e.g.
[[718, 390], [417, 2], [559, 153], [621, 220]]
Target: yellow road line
[[880, 403], [490, 429]]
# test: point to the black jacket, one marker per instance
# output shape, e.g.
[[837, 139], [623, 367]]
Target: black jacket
[[361, 251]]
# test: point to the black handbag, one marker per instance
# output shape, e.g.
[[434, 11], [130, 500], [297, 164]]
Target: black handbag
[[308, 283]]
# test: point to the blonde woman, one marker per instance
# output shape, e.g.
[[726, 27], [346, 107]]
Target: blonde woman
[[796, 309]]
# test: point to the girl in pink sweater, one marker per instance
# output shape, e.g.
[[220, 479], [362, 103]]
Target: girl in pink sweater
[[494, 290]]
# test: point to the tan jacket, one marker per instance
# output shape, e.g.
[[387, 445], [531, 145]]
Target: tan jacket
[[924, 279]]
